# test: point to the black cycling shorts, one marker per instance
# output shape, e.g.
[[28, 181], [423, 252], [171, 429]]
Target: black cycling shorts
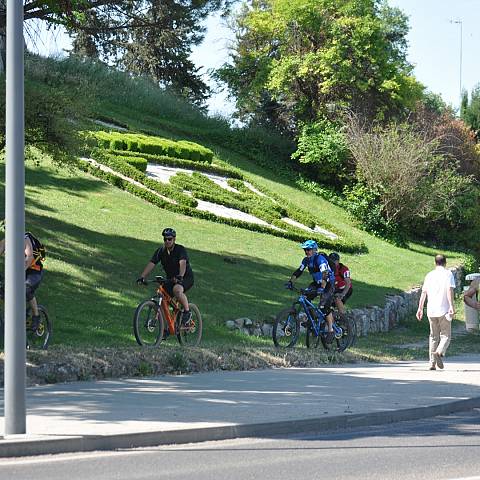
[[187, 285], [326, 298], [339, 291], [32, 282]]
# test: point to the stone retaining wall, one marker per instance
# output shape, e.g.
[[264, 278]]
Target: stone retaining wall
[[370, 319]]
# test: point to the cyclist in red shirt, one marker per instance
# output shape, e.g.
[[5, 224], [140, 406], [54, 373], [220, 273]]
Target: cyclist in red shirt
[[343, 283]]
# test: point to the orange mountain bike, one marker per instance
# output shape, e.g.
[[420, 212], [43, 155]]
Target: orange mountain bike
[[161, 315]]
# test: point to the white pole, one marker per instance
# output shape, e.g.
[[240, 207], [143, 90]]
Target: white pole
[[459, 22], [15, 338]]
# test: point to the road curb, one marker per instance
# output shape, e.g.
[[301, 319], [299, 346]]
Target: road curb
[[69, 444]]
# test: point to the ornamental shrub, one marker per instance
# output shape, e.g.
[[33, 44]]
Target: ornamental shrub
[[322, 149]]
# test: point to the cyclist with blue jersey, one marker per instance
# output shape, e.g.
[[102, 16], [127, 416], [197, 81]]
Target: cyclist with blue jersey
[[323, 283]]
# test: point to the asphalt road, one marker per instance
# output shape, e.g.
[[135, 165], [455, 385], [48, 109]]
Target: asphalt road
[[434, 449]]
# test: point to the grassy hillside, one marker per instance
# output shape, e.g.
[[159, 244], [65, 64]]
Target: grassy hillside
[[99, 238]]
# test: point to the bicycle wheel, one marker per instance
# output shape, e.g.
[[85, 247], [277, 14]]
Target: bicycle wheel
[[148, 324], [190, 335], [342, 340], [40, 337], [312, 340], [286, 328], [352, 326]]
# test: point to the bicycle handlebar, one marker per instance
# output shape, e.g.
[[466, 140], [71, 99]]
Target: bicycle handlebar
[[158, 279], [303, 291]]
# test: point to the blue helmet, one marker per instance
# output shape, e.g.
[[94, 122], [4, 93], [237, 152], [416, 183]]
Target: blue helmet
[[309, 244]]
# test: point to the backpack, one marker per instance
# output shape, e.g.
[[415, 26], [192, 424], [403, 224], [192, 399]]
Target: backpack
[[331, 263], [39, 250]]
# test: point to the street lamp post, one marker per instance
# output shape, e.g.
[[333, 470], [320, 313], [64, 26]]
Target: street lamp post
[[15, 337], [459, 22]]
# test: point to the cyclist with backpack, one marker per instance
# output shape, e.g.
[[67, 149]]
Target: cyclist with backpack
[[319, 267], [343, 282], [34, 258]]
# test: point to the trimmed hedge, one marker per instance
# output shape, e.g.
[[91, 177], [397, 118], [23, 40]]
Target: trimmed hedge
[[153, 145], [117, 164], [291, 234], [271, 208], [138, 162], [205, 189], [182, 163]]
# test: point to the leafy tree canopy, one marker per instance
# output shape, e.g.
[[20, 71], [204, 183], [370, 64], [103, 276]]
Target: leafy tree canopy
[[152, 37], [297, 60], [470, 111]]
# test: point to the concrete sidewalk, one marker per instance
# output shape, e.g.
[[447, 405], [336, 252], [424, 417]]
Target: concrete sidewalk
[[210, 406]]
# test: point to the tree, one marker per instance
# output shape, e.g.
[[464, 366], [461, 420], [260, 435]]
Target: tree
[[305, 58], [152, 37], [470, 111]]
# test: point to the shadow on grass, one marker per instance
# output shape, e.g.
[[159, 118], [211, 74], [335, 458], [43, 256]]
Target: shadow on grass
[[89, 286]]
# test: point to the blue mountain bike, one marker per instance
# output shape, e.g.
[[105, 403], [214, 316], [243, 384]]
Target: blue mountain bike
[[303, 313]]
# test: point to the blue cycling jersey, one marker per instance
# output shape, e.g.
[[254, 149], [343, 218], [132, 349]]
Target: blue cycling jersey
[[316, 265]]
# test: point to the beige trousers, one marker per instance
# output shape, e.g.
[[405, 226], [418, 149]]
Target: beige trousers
[[440, 335]]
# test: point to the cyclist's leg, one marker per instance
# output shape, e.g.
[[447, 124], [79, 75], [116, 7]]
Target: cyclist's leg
[[347, 295], [32, 282], [338, 301], [326, 306], [179, 293]]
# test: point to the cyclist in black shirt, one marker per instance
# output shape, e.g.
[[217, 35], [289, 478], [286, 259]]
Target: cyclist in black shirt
[[174, 260]]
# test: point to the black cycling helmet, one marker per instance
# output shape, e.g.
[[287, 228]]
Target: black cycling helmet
[[335, 257], [169, 232]]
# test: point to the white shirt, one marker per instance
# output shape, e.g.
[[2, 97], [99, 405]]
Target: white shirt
[[436, 284]]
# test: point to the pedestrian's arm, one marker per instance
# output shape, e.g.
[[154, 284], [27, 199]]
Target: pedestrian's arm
[[421, 303], [469, 297], [450, 295]]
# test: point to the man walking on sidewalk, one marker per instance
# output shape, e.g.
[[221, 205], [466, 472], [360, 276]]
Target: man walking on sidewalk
[[438, 287]]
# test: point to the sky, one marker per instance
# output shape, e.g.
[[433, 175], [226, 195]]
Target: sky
[[434, 47]]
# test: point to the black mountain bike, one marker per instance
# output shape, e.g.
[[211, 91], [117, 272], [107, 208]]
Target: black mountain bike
[[36, 339], [286, 329]]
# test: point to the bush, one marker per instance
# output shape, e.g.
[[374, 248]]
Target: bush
[[154, 145], [405, 187], [117, 164], [365, 206], [322, 147], [137, 162], [182, 163]]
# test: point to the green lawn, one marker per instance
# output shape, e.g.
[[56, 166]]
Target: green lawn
[[99, 238]]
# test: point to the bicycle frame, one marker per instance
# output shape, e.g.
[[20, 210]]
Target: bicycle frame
[[317, 324], [165, 301]]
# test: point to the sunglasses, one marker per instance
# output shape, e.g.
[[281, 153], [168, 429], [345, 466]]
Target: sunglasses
[[167, 239]]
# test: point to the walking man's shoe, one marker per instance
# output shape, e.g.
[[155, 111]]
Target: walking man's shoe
[[438, 360], [432, 367]]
